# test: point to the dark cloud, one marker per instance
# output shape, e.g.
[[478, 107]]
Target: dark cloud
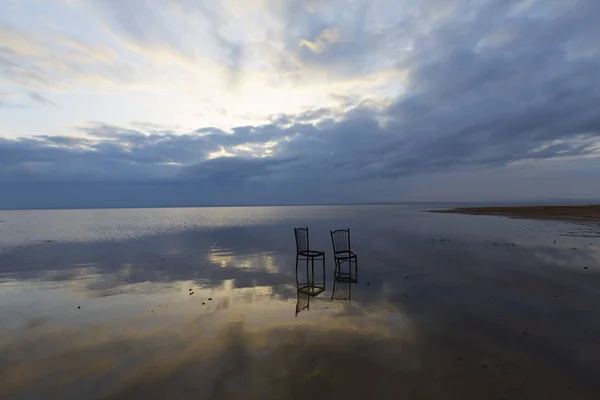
[[234, 169]]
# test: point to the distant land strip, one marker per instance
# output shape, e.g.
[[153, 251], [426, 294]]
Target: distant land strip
[[580, 212]]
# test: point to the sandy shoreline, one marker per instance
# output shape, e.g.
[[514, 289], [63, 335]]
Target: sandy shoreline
[[580, 212]]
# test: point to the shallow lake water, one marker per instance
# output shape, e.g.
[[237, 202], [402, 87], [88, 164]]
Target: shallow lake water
[[203, 303]]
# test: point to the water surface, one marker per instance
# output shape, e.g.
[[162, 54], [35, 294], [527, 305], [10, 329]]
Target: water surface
[[202, 303]]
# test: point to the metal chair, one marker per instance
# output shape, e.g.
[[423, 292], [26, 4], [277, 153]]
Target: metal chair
[[343, 254], [303, 253]]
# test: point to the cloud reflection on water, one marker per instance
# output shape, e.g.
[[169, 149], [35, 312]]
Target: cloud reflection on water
[[431, 309]]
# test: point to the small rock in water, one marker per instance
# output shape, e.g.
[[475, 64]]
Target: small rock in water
[[584, 267], [406, 277], [203, 303], [78, 307], [368, 283]]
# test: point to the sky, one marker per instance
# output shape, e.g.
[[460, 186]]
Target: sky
[[133, 103]]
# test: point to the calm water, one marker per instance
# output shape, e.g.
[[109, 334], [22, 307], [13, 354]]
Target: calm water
[[202, 303]]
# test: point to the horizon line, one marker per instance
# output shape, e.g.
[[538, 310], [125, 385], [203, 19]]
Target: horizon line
[[500, 202]]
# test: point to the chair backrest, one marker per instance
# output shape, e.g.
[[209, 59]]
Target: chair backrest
[[341, 240], [302, 243], [302, 302], [342, 291]]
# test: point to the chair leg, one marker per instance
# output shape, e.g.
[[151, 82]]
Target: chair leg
[[324, 277], [307, 274], [297, 271], [333, 291], [349, 291], [312, 264]]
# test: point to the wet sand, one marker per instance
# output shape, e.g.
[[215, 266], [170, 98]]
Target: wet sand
[[579, 212], [146, 304]]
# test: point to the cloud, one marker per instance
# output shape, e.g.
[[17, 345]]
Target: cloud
[[461, 88], [232, 170], [7, 99], [328, 36], [56, 61], [40, 99]]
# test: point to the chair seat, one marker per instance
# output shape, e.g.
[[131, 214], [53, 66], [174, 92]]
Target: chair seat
[[344, 255], [345, 277], [311, 290], [311, 253]]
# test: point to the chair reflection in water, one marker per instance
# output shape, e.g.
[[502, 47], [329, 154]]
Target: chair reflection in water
[[307, 286], [346, 264], [303, 300]]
